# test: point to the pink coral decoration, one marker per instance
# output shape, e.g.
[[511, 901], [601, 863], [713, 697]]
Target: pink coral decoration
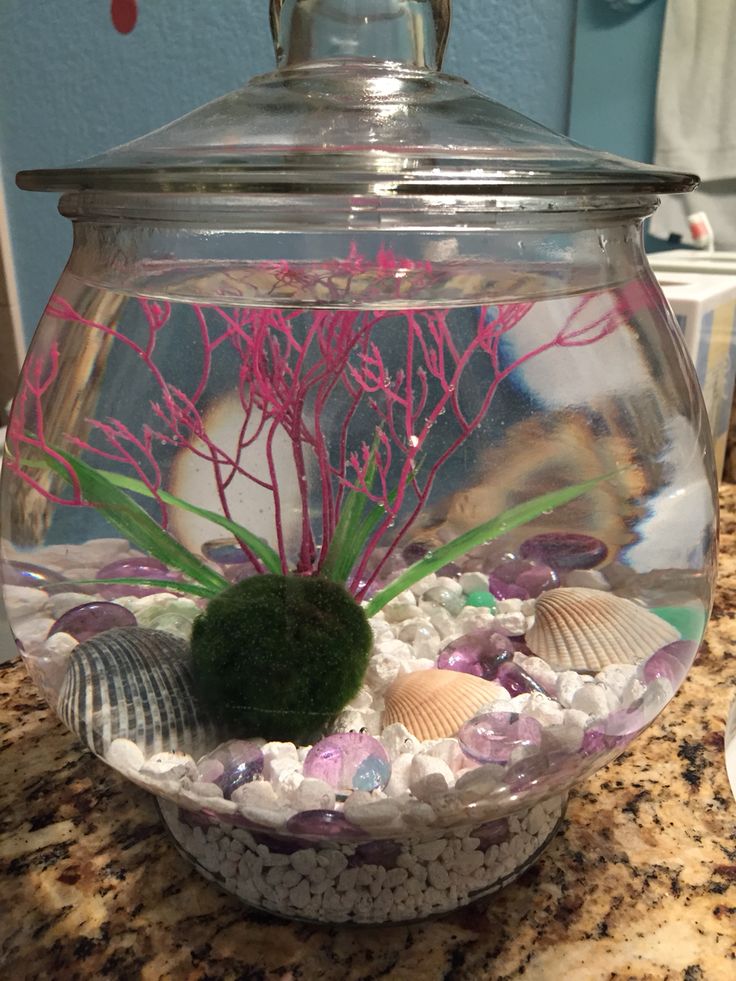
[[295, 369]]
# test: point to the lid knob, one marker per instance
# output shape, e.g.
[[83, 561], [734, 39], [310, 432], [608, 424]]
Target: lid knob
[[412, 33]]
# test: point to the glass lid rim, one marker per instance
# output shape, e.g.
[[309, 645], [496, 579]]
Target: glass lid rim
[[259, 173]]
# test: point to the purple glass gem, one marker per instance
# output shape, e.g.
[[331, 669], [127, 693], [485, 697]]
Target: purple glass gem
[[524, 578], [414, 551], [492, 832], [231, 557], [500, 649], [463, 654], [231, 765], [543, 773], [349, 761], [565, 550], [26, 574], [493, 736], [224, 551], [235, 821], [90, 619], [505, 590], [510, 568], [384, 853], [452, 570], [671, 662], [537, 579], [487, 561], [323, 824], [478, 653], [278, 843], [595, 742], [618, 729], [488, 655], [140, 568], [237, 573], [514, 679], [475, 564], [519, 676]]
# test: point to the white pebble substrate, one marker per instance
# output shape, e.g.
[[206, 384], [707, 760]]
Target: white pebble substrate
[[432, 782], [430, 875], [434, 788]]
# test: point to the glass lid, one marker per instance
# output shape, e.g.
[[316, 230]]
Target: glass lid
[[358, 104]]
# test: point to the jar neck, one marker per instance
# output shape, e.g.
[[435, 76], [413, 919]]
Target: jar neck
[[411, 33]]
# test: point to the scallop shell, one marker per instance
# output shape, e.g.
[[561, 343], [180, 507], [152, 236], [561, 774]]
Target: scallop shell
[[133, 683], [585, 629], [433, 704]]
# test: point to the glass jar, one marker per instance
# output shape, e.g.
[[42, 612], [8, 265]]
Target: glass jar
[[358, 496]]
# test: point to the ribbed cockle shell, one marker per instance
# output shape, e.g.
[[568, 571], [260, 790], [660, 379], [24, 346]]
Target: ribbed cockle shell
[[133, 683], [433, 704], [585, 629]]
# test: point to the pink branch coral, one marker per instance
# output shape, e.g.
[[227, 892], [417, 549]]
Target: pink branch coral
[[301, 372], [29, 402]]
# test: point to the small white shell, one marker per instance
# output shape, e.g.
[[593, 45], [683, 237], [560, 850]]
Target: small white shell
[[585, 629], [433, 704]]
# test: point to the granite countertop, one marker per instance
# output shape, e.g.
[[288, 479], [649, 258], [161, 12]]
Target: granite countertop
[[640, 883]]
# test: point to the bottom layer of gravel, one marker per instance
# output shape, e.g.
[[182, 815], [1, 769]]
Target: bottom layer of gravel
[[371, 881]]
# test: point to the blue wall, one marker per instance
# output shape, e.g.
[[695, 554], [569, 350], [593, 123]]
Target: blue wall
[[70, 86], [615, 76]]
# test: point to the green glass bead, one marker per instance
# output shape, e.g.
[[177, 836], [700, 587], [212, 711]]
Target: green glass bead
[[481, 597], [688, 620]]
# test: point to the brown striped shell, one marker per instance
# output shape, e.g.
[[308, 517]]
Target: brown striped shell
[[583, 629], [433, 704]]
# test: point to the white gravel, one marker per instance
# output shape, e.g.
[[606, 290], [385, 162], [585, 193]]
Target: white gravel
[[335, 883], [435, 791]]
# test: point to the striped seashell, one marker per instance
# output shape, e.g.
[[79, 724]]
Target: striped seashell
[[433, 704], [585, 629], [133, 683]]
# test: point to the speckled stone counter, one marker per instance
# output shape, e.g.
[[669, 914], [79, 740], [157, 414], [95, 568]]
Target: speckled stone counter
[[640, 884]]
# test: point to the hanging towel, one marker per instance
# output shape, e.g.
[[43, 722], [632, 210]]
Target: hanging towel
[[696, 112], [696, 91]]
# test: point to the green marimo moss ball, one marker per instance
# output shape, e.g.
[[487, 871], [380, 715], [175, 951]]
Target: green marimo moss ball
[[279, 656]]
